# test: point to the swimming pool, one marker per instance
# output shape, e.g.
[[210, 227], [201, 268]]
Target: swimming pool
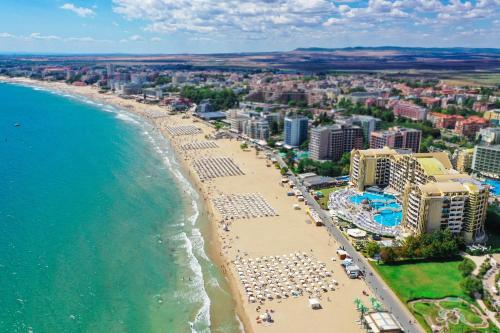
[[386, 210], [495, 186]]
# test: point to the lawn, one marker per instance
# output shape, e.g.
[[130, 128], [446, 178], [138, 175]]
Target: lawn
[[423, 279], [323, 201]]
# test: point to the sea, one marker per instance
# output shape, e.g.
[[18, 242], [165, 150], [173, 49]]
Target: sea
[[100, 231]]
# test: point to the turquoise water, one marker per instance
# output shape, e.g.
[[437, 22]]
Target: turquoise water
[[495, 186], [97, 225], [389, 213]]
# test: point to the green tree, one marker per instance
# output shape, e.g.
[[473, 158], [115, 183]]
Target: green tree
[[244, 146], [345, 163], [304, 145], [471, 285], [275, 127], [283, 170], [466, 267], [371, 249], [271, 142], [388, 255]]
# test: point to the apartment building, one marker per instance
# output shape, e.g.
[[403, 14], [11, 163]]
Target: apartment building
[[295, 130], [440, 120], [368, 124], [463, 160], [486, 160], [420, 168], [370, 167], [256, 128], [237, 119], [409, 110], [330, 142], [458, 205], [470, 127], [397, 137]]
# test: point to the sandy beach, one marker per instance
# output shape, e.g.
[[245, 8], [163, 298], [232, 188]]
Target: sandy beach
[[289, 232]]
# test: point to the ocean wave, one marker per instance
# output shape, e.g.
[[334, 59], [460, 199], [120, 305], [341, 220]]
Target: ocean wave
[[126, 118], [201, 322], [199, 246]]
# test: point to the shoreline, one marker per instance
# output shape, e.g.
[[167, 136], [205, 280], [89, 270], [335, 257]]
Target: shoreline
[[254, 237], [137, 109]]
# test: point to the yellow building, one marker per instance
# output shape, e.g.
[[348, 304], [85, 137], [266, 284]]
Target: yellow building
[[458, 205], [493, 116], [370, 167], [464, 160], [433, 194], [420, 168]]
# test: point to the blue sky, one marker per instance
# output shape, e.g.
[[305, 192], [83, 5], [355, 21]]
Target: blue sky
[[207, 26]]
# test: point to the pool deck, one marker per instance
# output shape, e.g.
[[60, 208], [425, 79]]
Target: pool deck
[[342, 203]]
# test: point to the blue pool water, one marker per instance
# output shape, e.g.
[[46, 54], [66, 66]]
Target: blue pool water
[[390, 213], [495, 186]]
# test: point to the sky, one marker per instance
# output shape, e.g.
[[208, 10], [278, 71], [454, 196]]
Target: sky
[[215, 26]]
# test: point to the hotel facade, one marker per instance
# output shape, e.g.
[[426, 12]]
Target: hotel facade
[[434, 195]]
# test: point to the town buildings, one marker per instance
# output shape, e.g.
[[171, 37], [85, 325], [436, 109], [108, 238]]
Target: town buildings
[[409, 110], [397, 137], [493, 116], [470, 126], [441, 120], [369, 124], [256, 128], [295, 132], [330, 142]]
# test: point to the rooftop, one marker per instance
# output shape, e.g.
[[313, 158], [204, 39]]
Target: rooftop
[[431, 166]]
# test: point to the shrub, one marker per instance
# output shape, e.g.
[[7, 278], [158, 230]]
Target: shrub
[[471, 285], [466, 267], [371, 249]]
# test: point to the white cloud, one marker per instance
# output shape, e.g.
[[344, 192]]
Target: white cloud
[[155, 39], [37, 35], [206, 16], [6, 35], [80, 11], [136, 38]]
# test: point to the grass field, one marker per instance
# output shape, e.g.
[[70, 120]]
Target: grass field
[[488, 79], [323, 201], [423, 279]]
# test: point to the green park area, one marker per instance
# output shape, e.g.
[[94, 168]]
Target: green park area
[[451, 315], [433, 294]]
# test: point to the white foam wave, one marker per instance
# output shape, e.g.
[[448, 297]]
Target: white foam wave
[[202, 318], [127, 118], [199, 246]]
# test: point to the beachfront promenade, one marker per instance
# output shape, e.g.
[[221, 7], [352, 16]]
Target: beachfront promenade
[[373, 280]]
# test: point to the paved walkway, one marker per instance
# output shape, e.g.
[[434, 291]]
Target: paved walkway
[[490, 314]]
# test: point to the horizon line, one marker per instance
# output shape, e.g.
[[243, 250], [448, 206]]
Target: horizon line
[[311, 48]]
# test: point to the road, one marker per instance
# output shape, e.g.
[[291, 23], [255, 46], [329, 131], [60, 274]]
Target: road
[[372, 279]]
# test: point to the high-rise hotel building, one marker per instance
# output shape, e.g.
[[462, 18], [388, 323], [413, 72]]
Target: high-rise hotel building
[[433, 194]]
